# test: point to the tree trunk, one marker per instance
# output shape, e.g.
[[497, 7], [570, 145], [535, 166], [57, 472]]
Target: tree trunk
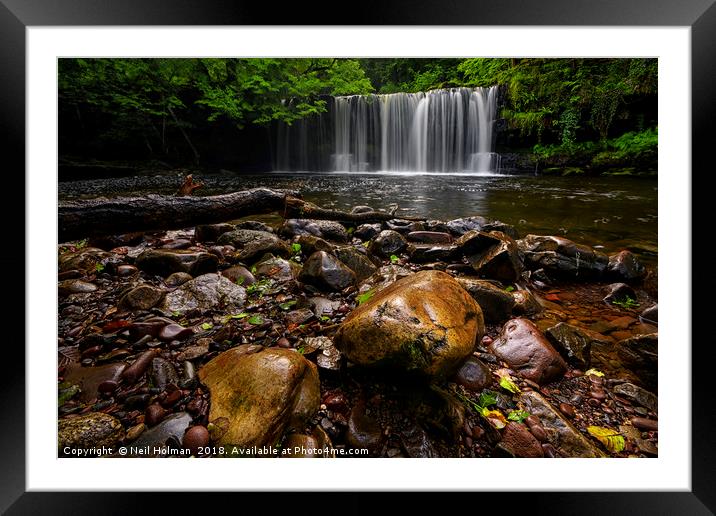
[[97, 217]]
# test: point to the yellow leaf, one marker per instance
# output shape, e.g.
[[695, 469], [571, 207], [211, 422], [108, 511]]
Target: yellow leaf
[[594, 372], [507, 384], [495, 417], [611, 439]]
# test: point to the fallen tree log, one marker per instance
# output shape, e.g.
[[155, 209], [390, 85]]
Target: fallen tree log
[[100, 217]]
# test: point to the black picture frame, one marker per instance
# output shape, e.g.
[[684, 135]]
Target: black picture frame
[[17, 15]]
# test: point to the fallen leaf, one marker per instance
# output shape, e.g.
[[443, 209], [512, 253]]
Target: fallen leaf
[[509, 385], [593, 372], [518, 415], [495, 417], [611, 439]]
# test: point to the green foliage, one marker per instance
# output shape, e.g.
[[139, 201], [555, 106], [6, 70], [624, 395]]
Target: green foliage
[[394, 259], [287, 305], [628, 303], [487, 398], [259, 287], [518, 415], [256, 320], [99, 267], [509, 385], [365, 296], [296, 248], [206, 326]]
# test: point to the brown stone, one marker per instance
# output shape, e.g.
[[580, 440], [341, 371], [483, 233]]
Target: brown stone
[[520, 442]]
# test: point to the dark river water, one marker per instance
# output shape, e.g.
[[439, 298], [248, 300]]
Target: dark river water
[[613, 212]]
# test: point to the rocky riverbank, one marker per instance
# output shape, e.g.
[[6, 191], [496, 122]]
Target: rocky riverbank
[[314, 338]]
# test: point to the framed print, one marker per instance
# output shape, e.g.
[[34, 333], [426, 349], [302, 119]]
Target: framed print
[[431, 239]]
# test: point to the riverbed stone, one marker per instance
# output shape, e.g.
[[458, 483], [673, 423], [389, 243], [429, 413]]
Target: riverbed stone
[[356, 261], [427, 253], [525, 303], [142, 297], [90, 378], [177, 278], [278, 269], [367, 231], [425, 323], [92, 430], [251, 245], [429, 237], [640, 354], [473, 374], [524, 348], [520, 442], [261, 394], [327, 272], [387, 243], [255, 225], [495, 302], [625, 266], [326, 229], [619, 292], [384, 277], [206, 292], [563, 258], [574, 343], [493, 255], [311, 243], [171, 429], [239, 274], [363, 430], [650, 315], [211, 232], [633, 392], [463, 225], [163, 262], [84, 260], [560, 432], [75, 286]]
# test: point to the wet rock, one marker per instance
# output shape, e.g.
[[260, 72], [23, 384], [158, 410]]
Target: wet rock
[[254, 225], [563, 258], [492, 255], [196, 350], [640, 354], [134, 432], [84, 260], [299, 316], [520, 442], [525, 303], [328, 356], [356, 261], [322, 306], [624, 266], [384, 277], [92, 430], [90, 378], [560, 432], [163, 262], [177, 278], [367, 231], [154, 414], [75, 286], [361, 209], [135, 371], [174, 332], [171, 429], [207, 292], [461, 226], [647, 425], [528, 352], [310, 244], [426, 253], [650, 315], [239, 274], [416, 443], [142, 297], [495, 302], [425, 323], [261, 394], [211, 232], [641, 396], [124, 271], [403, 226], [325, 271], [474, 375], [278, 269], [195, 438], [252, 244], [573, 343], [429, 237], [327, 229], [311, 446], [163, 373], [620, 292], [387, 243], [363, 430]]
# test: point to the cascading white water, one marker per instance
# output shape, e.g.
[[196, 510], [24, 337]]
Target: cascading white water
[[446, 130]]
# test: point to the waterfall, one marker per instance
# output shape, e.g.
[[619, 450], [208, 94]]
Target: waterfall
[[446, 130]]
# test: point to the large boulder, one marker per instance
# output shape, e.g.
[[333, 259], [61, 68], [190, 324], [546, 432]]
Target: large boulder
[[88, 431], [574, 343], [327, 229], [563, 258], [207, 292], [528, 352], [493, 255], [327, 272], [495, 302], [256, 397], [560, 433], [251, 244], [425, 323], [624, 266], [164, 262]]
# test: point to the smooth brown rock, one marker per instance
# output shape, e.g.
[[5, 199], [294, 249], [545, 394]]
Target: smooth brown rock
[[163, 262], [493, 255], [520, 442], [132, 373], [177, 278], [527, 351], [142, 297], [624, 266], [239, 274], [195, 438], [424, 323], [473, 374], [495, 302], [326, 272], [429, 237], [252, 244], [261, 394]]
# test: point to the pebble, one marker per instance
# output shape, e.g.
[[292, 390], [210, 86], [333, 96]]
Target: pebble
[[478, 432], [539, 432], [174, 332], [137, 401], [567, 410], [107, 387], [531, 421], [648, 425], [598, 394], [468, 442], [154, 414], [132, 373], [126, 270], [486, 340], [283, 342], [549, 451], [171, 399], [593, 402], [196, 437], [135, 432]]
